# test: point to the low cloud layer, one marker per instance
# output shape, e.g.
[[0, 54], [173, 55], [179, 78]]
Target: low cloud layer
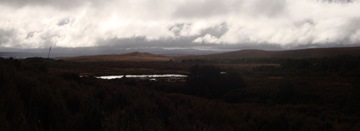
[[208, 24]]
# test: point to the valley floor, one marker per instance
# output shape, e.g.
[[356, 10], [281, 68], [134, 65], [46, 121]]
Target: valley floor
[[308, 94]]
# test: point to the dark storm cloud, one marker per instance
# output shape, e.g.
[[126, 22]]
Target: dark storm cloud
[[217, 31], [271, 8], [350, 32], [304, 22], [210, 8], [63, 22], [203, 8], [180, 42], [178, 28], [353, 26], [6, 36]]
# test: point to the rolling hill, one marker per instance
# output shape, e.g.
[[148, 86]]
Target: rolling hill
[[134, 56], [242, 54], [294, 54]]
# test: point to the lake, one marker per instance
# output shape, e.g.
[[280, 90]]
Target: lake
[[109, 77]]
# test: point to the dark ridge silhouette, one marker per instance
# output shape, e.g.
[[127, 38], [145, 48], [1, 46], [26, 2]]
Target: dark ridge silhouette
[[133, 56], [295, 54]]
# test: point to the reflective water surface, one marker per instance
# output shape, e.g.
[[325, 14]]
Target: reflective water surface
[[142, 76]]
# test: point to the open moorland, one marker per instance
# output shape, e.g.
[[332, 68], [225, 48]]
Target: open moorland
[[309, 89]]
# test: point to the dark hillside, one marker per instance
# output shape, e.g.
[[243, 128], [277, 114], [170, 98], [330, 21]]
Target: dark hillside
[[134, 56], [287, 54]]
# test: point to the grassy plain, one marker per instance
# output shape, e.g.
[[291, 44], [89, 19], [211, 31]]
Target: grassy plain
[[310, 93]]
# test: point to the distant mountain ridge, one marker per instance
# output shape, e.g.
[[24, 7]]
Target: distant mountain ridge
[[133, 56], [241, 54], [21, 54], [294, 54]]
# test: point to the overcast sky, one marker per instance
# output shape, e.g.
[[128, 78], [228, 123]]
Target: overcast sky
[[172, 24]]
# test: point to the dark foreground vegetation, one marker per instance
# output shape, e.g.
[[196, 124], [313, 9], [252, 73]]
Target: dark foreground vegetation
[[287, 94]]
